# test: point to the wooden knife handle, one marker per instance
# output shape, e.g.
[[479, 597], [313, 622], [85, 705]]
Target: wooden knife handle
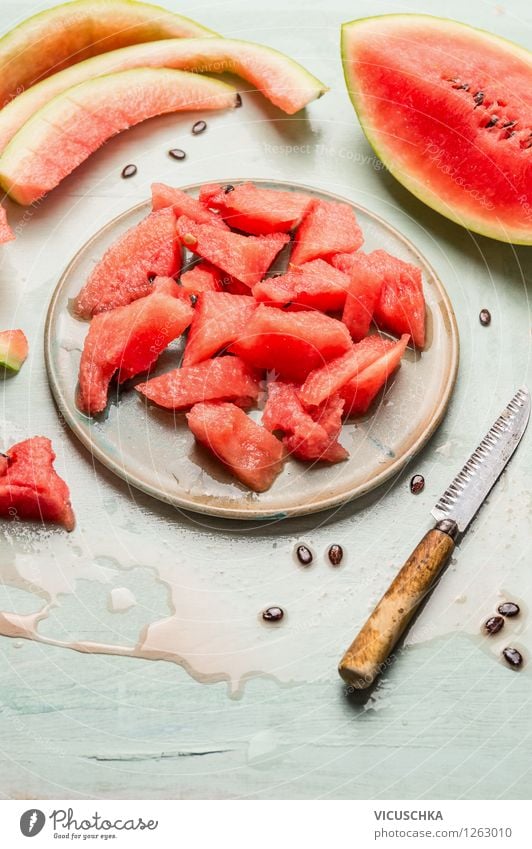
[[367, 655]]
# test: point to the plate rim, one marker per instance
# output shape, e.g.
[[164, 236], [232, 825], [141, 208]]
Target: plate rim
[[255, 512]]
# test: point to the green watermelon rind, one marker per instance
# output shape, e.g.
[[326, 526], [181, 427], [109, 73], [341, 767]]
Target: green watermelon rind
[[430, 198]]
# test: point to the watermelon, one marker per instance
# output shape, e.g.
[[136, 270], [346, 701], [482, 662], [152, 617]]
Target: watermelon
[[251, 452], [219, 319], [13, 349], [63, 133], [313, 285], [400, 307], [203, 277], [128, 340], [344, 262], [6, 233], [327, 229], [448, 110], [245, 257], [256, 210], [30, 488], [290, 343], [307, 435], [221, 379], [329, 379], [182, 204], [59, 37], [359, 392], [150, 249], [363, 293]]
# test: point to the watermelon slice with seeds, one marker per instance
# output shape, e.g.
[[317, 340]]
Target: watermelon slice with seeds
[[359, 392], [30, 488], [245, 257], [328, 228], [401, 305], [313, 285], [256, 210], [164, 196], [219, 319], [363, 293], [250, 451], [150, 249]]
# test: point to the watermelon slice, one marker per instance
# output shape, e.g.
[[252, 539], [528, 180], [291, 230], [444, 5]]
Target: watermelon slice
[[182, 204], [291, 343], [64, 133], [307, 435], [447, 108], [128, 340], [6, 233], [365, 285], [222, 379], [13, 349], [150, 249], [401, 305], [256, 210], [360, 392], [202, 278], [30, 488], [328, 228], [313, 285], [245, 257], [253, 454], [219, 319]]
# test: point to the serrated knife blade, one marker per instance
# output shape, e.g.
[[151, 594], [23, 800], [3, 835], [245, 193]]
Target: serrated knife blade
[[465, 494]]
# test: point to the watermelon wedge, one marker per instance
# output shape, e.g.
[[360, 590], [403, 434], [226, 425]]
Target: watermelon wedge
[[64, 133], [360, 392], [221, 379], [150, 249], [290, 343], [59, 37], [328, 228], [183, 204], [219, 319], [447, 108], [30, 488], [128, 340], [13, 349], [363, 294], [6, 233], [256, 210], [313, 285], [400, 307], [247, 258], [253, 454], [202, 278]]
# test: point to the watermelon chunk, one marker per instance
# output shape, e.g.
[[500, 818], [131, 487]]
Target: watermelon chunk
[[291, 343], [313, 285], [343, 262], [13, 349], [151, 249], [221, 379], [6, 233], [182, 204], [30, 488], [219, 319], [329, 379], [245, 257], [328, 228], [252, 453], [360, 392], [401, 306], [255, 210], [128, 340], [365, 285], [202, 278], [307, 435]]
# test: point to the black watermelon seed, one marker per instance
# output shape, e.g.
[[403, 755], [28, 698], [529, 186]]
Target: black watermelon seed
[[492, 121], [494, 624], [199, 127], [417, 484], [129, 171], [484, 317], [238, 101], [177, 153], [304, 555], [509, 608], [193, 300], [478, 98], [228, 188], [336, 554], [513, 657], [273, 614]]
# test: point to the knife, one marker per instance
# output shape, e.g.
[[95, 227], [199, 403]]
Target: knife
[[370, 652]]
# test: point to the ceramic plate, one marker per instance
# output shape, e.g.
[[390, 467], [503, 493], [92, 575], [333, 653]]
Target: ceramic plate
[[153, 449]]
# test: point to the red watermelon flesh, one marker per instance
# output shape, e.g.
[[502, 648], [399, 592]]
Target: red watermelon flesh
[[313, 285], [291, 343], [401, 305], [245, 257], [219, 319], [328, 228], [360, 392], [128, 340], [251, 452], [6, 233], [182, 204], [30, 488], [221, 379], [255, 210], [151, 249], [343, 262], [204, 277], [365, 285], [308, 436], [330, 378]]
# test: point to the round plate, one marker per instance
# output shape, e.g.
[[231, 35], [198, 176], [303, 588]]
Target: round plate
[[153, 449]]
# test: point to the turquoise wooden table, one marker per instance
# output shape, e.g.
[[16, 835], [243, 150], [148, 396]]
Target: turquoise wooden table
[[448, 719]]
